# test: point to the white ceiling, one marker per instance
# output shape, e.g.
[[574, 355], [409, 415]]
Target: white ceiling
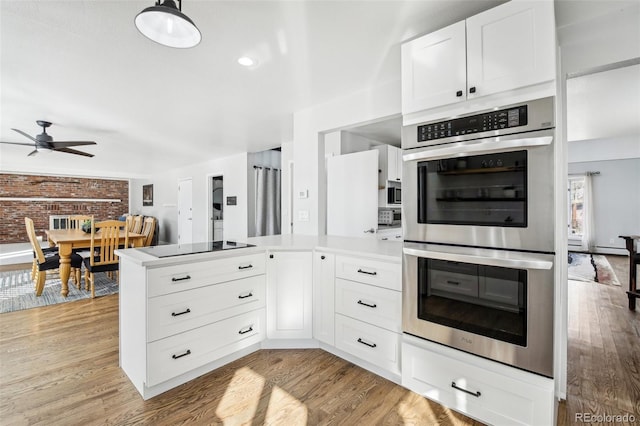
[[82, 65]]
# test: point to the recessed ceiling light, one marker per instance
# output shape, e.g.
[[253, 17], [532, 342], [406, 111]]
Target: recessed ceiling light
[[246, 61]]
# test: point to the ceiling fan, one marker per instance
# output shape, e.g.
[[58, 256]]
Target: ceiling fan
[[45, 141]]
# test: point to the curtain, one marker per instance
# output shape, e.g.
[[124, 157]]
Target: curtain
[[587, 215], [267, 201]]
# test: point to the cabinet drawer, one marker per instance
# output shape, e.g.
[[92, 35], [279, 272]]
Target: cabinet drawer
[[373, 344], [369, 271], [476, 390], [176, 278], [374, 305], [174, 313], [170, 357]]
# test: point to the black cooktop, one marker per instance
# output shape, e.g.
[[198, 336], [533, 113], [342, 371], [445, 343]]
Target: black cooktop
[[182, 249]]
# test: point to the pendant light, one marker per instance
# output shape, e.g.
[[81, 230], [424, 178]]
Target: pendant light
[[166, 24]]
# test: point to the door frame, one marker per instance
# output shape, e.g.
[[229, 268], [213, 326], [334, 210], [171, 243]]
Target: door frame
[[209, 187], [180, 181]]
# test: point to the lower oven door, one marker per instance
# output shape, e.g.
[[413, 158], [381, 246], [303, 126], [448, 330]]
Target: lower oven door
[[493, 303]]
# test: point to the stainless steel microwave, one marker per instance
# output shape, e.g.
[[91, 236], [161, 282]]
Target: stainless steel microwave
[[394, 195]]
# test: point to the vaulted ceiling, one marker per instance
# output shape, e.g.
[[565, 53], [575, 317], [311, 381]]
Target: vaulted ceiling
[[82, 65]]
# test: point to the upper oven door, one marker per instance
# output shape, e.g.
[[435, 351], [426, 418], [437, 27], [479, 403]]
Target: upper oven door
[[493, 192]]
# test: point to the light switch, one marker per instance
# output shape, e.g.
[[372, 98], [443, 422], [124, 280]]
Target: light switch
[[303, 215], [303, 193]]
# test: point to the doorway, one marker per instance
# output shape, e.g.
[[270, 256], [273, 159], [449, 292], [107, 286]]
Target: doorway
[[216, 208]]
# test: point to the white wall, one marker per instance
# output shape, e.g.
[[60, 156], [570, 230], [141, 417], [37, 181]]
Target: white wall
[[616, 201], [602, 40], [165, 190], [309, 126]]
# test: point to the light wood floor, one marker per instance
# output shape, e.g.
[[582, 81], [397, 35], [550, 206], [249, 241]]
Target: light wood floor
[[59, 366]]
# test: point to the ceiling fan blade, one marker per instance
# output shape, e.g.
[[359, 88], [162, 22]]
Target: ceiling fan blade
[[32, 153], [19, 143], [73, 151], [64, 144], [24, 134]]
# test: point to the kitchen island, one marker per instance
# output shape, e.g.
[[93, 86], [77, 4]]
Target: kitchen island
[[185, 314]]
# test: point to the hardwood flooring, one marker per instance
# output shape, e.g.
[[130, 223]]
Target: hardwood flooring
[[59, 366]]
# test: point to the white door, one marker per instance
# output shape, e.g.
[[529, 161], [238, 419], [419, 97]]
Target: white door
[[352, 194], [185, 209]]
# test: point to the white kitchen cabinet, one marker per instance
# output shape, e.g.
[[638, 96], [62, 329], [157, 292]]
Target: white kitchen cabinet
[[504, 48], [289, 295], [324, 267], [181, 320], [218, 230], [485, 390], [389, 163]]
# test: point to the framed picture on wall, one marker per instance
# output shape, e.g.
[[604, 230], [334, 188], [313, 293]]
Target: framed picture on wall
[[147, 195]]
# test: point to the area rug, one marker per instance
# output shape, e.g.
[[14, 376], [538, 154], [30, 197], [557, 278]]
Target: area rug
[[17, 291], [591, 267]]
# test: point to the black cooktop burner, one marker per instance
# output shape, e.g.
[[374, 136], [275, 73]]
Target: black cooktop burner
[[182, 249]]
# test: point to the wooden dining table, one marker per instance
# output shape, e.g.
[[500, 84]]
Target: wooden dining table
[[68, 239]]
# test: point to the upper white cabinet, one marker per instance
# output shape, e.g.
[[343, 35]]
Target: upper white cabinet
[[504, 48], [390, 163]]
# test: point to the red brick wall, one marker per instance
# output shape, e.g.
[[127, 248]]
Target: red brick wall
[[12, 229]]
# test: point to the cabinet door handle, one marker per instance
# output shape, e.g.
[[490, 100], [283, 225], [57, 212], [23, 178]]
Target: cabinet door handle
[[371, 345], [246, 330], [244, 296], [176, 314], [459, 93], [367, 272], [360, 302], [476, 394], [270, 256], [385, 238], [453, 282], [322, 257], [188, 352], [472, 89], [245, 267], [187, 277]]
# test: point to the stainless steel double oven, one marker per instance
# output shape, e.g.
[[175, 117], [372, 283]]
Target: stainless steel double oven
[[479, 233]]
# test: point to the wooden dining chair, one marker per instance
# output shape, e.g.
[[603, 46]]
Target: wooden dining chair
[[105, 239], [136, 225], [148, 229], [76, 221], [47, 261]]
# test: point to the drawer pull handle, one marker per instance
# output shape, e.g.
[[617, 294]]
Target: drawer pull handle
[[453, 282], [244, 296], [371, 345], [175, 314], [245, 267], [246, 330], [367, 272], [174, 279], [188, 352], [360, 302], [476, 394]]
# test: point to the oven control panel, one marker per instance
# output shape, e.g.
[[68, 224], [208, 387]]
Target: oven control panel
[[494, 120]]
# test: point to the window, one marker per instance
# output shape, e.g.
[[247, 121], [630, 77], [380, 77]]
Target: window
[[576, 206]]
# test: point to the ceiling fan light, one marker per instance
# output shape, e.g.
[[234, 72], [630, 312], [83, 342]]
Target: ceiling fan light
[[167, 25]]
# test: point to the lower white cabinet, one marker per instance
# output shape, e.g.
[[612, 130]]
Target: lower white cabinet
[[373, 344], [324, 270], [170, 357], [485, 390], [289, 295]]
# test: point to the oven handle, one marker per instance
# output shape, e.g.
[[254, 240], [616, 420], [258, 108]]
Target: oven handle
[[480, 146], [519, 260]]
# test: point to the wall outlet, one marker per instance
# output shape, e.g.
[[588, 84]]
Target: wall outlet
[[303, 215]]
